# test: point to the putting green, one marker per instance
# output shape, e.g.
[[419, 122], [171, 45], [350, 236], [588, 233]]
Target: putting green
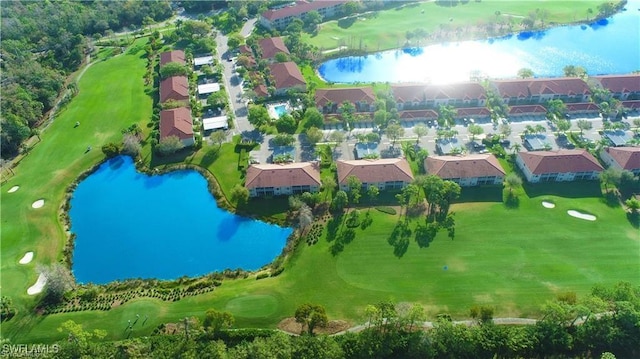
[[252, 306]]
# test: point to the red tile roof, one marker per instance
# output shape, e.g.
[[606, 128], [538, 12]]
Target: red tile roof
[[176, 122], [421, 93], [283, 175], [582, 106], [472, 111], [524, 88], [375, 171], [561, 161], [244, 49], [627, 157], [413, 114], [172, 56], [620, 83], [271, 46], [526, 109], [338, 96], [174, 88], [470, 166], [631, 104], [261, 90], [286, 75], [299, 8]]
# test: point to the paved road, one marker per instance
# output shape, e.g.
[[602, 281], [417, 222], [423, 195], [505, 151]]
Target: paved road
[[232, 81], [517, 128]]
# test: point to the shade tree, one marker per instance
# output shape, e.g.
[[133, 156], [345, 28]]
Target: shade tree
[[258, 115], [420, 131], [314, 135], [218, 137], [355, 189], [169, 145], [475, 130], [240, 194], [311, 316], [173, 69], [584, 125], [394, 131], [215, 321], [313, 118], [524, 73]]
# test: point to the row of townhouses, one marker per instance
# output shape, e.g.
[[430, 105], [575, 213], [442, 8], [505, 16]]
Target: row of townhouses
[[471, 170], [524, 96]]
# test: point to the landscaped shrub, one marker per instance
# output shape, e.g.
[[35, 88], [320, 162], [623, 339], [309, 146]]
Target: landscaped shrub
[[262, 276], [110, 149], [353, 220], [277, 272], [386, 209]]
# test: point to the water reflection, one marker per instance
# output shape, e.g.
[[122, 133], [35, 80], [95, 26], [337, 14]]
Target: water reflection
[[608, 46]]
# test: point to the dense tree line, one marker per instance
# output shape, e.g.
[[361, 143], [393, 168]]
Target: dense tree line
[[607, 321], [42, 42]]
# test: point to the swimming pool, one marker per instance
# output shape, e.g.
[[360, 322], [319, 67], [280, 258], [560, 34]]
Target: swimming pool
[[280, 110]]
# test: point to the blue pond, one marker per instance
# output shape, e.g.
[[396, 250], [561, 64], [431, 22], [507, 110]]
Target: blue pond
[[130, 225], [608, 46]]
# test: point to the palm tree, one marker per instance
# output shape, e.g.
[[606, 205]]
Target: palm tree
[[516, 148], [409, 150], [512, 181]]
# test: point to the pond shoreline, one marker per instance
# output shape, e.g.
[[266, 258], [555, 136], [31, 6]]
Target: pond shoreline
[[275, 267]]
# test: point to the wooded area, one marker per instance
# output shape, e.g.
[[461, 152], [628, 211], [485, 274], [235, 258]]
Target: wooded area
[[43, 42]]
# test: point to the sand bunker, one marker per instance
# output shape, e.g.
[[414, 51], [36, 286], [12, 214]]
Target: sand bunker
[[26, 258], [37, 204], [37, 288], [546, 204], [13, 189], [588, 217]]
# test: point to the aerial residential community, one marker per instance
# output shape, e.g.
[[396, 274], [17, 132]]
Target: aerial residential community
[[320, 179]]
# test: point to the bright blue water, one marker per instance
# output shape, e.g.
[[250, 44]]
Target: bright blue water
[[280, 110], [610, 46], [130, 225]]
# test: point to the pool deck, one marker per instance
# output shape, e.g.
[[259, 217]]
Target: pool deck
[[273, 113]]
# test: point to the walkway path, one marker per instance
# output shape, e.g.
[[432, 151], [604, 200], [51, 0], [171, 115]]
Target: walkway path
[[469, 323]]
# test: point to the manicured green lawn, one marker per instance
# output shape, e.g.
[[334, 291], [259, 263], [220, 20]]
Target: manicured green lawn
[[512, 259], [111, 98], [387, 29]]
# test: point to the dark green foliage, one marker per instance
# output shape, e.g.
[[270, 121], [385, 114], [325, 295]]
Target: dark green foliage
[[7, 311], [311, 316], [353, 219], [42, 42], [173, 69], [391, 333], [314, 233], [387, 210], [111, 149], [286, 124]]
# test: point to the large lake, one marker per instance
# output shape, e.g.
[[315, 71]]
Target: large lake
[[610, 46], [130, 225]]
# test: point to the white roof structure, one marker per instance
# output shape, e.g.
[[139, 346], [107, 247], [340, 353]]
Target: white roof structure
[[214, 123], [208, 88], [205, 60]]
